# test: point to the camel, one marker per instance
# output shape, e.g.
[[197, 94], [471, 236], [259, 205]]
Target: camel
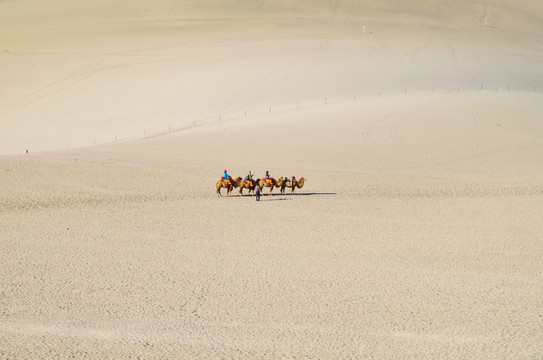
[[292, 184], [223, 184], [247, 185], [272, 183]]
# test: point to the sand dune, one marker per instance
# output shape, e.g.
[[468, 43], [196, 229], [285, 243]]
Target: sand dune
[[417, 126], [123, 69]]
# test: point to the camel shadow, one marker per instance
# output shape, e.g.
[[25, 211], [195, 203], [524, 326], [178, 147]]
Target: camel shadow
[[274, 199], [281, 197], [302, 194]]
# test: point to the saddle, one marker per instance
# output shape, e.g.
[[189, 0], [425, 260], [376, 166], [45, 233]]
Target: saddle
[[249, 182]]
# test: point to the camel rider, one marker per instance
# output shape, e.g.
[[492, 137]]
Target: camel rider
[[267, 177], [226, 177], [249, 177]]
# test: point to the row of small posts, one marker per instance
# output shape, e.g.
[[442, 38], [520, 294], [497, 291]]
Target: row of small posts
[[325, 101]]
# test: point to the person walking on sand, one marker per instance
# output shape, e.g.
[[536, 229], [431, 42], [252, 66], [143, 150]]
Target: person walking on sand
[[257, 191]]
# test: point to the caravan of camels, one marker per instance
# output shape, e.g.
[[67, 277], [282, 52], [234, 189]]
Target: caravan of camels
[[250, 184]]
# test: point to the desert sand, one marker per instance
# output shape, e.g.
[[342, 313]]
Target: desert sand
[[417, 125]]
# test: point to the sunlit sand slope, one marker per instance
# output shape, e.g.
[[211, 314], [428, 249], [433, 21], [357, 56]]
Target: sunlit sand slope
[[76, 74]]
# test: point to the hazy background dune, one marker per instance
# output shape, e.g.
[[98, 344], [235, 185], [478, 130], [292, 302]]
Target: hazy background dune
[[81, 74]]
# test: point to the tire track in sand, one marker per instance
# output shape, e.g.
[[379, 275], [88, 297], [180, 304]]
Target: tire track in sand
[[476, 119]]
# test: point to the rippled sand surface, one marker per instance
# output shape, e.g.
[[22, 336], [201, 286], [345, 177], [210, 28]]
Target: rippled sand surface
[[417, 232]]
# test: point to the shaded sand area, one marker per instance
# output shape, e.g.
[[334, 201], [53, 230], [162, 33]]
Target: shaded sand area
[[418, 231]]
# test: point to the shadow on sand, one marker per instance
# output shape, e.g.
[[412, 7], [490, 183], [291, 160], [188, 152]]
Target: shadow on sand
[[278, 197], [306, 194]]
